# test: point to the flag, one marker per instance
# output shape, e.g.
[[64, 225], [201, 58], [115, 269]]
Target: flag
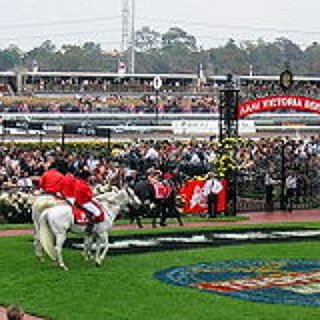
[[196, 202]]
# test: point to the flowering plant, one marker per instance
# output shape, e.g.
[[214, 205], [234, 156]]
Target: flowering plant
[[16, 207], [225, 161]]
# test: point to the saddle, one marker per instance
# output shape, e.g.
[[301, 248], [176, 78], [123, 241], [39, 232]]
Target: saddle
[[83, 217]]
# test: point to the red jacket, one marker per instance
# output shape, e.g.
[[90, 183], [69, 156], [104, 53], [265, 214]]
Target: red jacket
[[68, 185], [83, 192], [51, 180]]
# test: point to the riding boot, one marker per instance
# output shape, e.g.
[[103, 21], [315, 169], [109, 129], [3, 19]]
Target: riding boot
[[89, 227]]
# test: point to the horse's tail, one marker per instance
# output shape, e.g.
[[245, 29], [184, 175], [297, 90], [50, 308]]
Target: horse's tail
[[47, 236], [39, 206]]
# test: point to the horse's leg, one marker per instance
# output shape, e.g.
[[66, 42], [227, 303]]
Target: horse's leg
[[137, 214], [60, 239], [102, 241], [139, 222], [87, 244], [37, 243], [177, 214], [154, 213], [36, 236]]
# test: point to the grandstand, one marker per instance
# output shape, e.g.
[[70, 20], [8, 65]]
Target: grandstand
[[48, 82], [110, 99]]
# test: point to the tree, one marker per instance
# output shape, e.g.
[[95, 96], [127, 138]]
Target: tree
[[312, 59], [291, 53], [266, 58], [10, 58], [147, 39], [45, 55], [229, 59], [177, 36]]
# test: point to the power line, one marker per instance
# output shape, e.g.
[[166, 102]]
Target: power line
[[57, 35], [225, 26], [60, 22]]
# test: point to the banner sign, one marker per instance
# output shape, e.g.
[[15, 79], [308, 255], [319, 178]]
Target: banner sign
[[196, 202], [299, 103]]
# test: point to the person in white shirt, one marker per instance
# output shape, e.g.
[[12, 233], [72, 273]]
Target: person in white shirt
[[152, 154], [24, 182], [210, 190], [269, 183], [291, 187]]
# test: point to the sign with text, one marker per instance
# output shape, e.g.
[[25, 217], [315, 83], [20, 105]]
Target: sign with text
[[271, 103]]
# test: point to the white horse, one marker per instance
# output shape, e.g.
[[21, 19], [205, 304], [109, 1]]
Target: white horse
[[40, 204], [55, 221]]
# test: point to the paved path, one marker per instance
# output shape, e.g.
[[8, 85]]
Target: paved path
[[254, 218], [26, 317]]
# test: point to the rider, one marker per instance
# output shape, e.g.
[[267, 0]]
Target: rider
[[51, 180], [83, 196], [68, 185]]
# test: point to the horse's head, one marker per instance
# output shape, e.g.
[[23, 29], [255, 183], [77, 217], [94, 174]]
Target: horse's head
[[133, 199], [119, 198]]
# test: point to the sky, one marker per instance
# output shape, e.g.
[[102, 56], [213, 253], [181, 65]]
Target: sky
[[28, 23]]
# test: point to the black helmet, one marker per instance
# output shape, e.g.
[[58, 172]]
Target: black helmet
[[59, 165], [84, 174]]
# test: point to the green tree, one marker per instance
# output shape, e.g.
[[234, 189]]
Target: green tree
[[229, 59], [45, 55], [177, 36], [312, 59], [266, 58], [147, 39], [10, 58]]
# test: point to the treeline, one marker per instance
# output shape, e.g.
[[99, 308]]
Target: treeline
[[175, 51]]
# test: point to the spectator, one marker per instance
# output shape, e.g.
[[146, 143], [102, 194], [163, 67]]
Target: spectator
[[210, 190], [291, 188], [15, 312]]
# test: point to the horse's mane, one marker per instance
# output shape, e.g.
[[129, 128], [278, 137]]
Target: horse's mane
[[112, 197]]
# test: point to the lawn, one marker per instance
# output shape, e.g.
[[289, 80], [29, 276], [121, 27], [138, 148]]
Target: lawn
[[125, 287]]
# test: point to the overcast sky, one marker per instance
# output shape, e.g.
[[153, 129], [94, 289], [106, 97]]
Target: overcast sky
[[28, 23]]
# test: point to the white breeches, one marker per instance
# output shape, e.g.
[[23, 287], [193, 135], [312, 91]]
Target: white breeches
[[92, 208]]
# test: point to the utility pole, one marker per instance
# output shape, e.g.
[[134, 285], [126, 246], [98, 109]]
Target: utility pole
[[125, 25], [133, 38]]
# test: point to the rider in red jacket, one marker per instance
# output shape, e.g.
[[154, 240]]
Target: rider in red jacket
[[83, 195], [51, 181], [68, 186]]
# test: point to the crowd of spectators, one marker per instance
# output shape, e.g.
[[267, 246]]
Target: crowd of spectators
[[20, 167], [113, 104], [148, 103], [260, 88]]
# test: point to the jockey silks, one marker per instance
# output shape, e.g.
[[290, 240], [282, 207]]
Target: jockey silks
[[68, 186], [83, 195], [51, 181], [161, 190], [83, 192]]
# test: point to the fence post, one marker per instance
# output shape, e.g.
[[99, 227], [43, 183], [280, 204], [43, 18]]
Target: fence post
[[63, 137], [109, 142], [283, 177]]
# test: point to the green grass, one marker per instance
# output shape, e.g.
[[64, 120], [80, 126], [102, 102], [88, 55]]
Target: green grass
[[7, 226], [124, 287]]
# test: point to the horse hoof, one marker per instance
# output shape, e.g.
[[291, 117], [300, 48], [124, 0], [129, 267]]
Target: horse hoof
[[98, 263], [64, 267]]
